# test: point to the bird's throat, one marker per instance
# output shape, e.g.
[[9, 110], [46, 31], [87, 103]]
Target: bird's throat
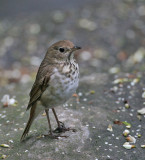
[[70, 56]]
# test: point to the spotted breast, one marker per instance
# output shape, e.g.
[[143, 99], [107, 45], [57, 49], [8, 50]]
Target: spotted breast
[[63, 83]]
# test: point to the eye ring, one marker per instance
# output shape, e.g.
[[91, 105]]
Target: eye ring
[[61, 50]]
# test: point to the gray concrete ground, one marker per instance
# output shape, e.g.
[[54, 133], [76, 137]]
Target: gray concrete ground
[[90, 117], [111, 77]]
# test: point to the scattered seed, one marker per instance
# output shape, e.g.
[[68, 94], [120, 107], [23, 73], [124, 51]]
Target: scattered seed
[[128, 146], [139, 117], [6, 100], [120, 80], [131, 114], [141, 111], [131, 139], [11, 141], [3, 156], [118, 122], [136, 80], [143, 94], [85, 99], [75, 95], [126, 132], [127, 105], [142, 146], [114, 70], [4, 145], [92, 92], [80, 94], [139, 135], [128, 125], [110, 128]]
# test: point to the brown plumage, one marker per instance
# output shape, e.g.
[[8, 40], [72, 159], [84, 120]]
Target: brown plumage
[[56, 80], [31, 119]]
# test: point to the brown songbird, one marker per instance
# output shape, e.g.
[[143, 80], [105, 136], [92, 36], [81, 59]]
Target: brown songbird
[[56, 80]]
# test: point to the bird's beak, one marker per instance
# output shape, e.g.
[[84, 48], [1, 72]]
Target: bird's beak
[[75, 48]]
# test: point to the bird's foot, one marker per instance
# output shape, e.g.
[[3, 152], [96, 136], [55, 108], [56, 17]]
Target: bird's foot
[[54, 136], [62, 128]]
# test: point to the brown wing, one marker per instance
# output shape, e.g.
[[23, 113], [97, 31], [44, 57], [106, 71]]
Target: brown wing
[[40, 84], [37, 91]]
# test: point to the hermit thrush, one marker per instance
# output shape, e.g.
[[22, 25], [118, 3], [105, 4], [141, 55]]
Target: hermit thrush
[[56, 80]]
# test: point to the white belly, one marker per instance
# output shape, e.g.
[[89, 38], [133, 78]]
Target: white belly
[[60, 89]]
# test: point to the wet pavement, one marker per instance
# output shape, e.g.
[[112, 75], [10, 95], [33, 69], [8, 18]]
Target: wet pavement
[[112, 79]]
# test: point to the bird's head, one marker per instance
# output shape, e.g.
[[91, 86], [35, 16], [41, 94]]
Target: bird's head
[[62, 51]]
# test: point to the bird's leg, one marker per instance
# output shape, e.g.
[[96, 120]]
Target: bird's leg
[[48, 119], [58, 122], [50, 129], [61, 127]]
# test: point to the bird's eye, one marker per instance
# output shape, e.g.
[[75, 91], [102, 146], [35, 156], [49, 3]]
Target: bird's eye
[[61, 50]]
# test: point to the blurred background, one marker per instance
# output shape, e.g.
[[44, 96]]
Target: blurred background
[[112, 79], [111, 33]]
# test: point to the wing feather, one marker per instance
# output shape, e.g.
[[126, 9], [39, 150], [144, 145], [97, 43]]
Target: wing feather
[[40, 84]]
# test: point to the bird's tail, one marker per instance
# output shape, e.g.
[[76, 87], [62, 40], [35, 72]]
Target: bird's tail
[[33, 114]]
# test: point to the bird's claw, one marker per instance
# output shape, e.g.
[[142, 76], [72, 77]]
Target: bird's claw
[[62, 128]]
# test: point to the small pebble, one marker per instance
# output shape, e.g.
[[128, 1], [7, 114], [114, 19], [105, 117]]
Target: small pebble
[[131, 114], [80, 94], [85, 99]]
